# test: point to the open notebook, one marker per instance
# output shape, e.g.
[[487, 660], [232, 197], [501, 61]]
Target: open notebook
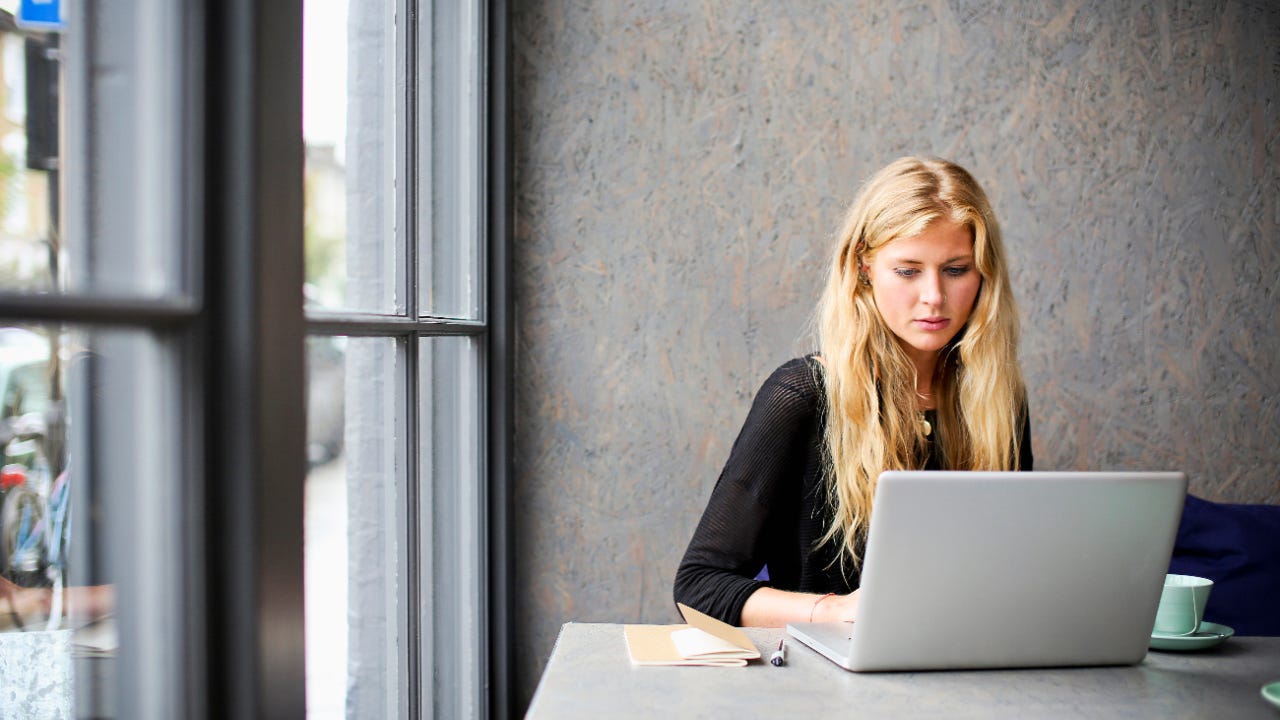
[[703, 641]]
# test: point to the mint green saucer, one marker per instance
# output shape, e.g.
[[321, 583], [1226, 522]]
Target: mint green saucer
[[1271, 693], [1210, 634]]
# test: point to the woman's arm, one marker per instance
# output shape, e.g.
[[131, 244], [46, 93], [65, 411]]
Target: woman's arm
[[751, 509], [770, 607]]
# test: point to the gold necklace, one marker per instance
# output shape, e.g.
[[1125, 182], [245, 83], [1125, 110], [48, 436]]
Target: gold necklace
[[925, 426]]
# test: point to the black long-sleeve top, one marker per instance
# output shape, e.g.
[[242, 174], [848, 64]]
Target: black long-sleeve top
[[769, 506]]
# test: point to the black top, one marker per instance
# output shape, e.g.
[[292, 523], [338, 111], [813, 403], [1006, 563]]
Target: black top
[[769, 507]]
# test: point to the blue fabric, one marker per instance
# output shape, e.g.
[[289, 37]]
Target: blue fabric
[[1238, 548]]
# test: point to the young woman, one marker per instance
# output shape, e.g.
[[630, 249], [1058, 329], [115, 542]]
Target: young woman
[[918, 368]]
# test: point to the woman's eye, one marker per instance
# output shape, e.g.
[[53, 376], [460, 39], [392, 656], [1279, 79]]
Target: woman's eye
[[906, 272], [956, 270]]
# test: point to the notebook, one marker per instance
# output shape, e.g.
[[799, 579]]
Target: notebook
[[1008, 570], [703, 641]]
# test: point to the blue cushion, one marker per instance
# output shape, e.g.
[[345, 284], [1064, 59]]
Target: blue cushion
[[1238, 547]]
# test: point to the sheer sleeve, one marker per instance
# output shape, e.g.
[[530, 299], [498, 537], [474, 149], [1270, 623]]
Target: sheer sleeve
[[754, 499]]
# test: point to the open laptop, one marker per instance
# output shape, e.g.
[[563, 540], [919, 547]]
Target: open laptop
[[1008, 570]]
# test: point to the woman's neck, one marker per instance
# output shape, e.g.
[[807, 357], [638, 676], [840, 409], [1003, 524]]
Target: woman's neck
[[925, 363]]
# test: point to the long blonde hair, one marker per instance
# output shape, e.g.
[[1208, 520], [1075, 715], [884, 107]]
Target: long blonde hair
[[872, 420]]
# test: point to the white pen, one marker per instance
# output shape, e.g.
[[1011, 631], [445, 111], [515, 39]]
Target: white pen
[[779, 656]]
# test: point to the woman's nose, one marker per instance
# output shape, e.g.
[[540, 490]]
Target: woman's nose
[[931, 293]]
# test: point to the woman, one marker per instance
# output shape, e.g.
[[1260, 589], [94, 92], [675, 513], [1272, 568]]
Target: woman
[[918, 368]]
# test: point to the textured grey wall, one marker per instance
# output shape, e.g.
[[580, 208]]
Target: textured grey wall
[[680, 168]]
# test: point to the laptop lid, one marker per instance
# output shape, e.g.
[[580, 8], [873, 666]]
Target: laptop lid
[[1011, 569]]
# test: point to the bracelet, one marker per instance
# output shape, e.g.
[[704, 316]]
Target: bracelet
[[815, 604]]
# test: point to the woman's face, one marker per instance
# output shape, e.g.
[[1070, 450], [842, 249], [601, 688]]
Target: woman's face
[[925, 287]]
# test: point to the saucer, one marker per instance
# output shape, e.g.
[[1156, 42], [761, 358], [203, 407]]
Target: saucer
[[1210, 634], [1271, 693]]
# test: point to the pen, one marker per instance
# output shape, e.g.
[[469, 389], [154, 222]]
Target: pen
[[779, 656]]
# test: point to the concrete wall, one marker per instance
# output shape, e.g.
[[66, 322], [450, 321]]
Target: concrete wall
[[681, 166]]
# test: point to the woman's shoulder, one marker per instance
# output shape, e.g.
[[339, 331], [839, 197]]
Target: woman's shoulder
[[800, 377]]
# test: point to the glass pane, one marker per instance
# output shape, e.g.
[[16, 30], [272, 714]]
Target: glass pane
[[349, 66], [452, 507], [90, 525], [354, 520], [29, 89], [116, 93], [451, 134], [35, 506]]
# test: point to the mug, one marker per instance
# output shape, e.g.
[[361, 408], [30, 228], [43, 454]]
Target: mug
[[1182, 602]]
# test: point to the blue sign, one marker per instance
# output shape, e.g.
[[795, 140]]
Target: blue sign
[[41, 15]]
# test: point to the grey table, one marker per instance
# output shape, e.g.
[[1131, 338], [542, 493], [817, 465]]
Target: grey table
[[590, 676]]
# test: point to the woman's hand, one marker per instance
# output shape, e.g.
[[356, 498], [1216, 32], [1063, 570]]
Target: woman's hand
[[837, 608]]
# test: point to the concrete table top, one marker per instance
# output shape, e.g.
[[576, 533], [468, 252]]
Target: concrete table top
[[590, 676]]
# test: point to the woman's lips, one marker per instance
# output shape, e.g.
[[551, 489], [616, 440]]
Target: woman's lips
[[933, 323]]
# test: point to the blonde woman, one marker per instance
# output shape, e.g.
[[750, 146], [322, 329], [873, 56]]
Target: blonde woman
[[918, 368]]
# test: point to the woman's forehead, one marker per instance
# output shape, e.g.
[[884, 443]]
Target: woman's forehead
[[941, 240]]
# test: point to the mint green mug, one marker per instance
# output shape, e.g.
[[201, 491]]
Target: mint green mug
[[1182, 602]]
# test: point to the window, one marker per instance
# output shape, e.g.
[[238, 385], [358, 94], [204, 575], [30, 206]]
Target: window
[[243, 415], [100, 337], [400, 345]]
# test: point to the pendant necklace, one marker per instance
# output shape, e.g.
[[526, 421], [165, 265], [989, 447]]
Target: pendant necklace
[[925, 426]]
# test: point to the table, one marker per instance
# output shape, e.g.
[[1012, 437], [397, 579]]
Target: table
[[590, 676]]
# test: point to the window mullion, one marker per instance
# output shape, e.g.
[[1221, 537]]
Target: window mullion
[[256, 451], [416, 617], [497, 358], [406, 163]]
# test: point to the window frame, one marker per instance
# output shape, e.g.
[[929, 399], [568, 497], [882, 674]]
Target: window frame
[[481, 686], [253, 273]]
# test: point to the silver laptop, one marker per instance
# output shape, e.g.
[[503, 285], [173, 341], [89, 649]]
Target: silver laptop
[[1008, 570]]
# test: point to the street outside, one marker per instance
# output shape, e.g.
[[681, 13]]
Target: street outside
[[325, 545]]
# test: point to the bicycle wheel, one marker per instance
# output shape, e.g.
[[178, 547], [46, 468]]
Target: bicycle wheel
[[20, 529]]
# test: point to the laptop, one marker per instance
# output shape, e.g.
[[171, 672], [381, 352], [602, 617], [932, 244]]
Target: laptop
[[971, 570]]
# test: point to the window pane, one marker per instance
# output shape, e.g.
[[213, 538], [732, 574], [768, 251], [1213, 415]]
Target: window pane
[[354, 521], [452, 506], [33, 448], [91, 535], [29, 90], [349, 66], [35, 488], [126, 163], [451, 134]]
